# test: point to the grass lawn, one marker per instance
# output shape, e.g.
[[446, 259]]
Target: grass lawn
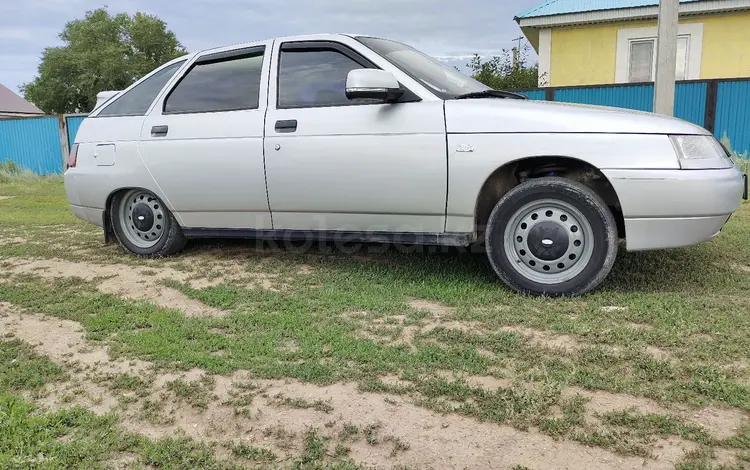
[[658, 358]]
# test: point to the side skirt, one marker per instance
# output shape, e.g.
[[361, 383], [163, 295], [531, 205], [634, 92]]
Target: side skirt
[[442, 239]]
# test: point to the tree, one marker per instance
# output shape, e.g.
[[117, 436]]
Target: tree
[[507, 72], [100, 52]]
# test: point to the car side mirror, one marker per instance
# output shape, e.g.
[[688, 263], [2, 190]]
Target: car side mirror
[[373, 84]]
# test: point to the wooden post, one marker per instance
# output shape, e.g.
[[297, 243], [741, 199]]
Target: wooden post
[[712, 97], [666, 57], [63, 127]]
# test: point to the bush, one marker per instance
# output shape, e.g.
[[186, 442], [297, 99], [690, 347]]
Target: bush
[[11, 171], [741, 159]]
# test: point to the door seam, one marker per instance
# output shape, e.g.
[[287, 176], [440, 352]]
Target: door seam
[[265, 122]]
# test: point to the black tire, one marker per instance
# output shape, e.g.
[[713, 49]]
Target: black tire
[[587, 203], [172, 240]]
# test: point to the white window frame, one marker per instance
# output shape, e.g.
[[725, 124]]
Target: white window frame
[[693, 32]]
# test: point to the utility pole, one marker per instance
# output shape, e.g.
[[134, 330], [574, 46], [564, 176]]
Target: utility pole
[[517, 53], [666, 57]]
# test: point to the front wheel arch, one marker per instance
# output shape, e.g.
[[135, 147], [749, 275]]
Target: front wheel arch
[[511, 174]]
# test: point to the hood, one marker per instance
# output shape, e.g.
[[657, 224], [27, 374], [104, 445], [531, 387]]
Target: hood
[[522, 116]]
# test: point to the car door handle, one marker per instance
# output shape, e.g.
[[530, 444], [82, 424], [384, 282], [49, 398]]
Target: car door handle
[[159, 131], [286, 126]]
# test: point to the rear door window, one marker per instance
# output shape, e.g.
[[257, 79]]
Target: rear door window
[[219, 83]]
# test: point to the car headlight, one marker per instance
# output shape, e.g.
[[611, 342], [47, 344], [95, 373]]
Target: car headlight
[[700, 152]]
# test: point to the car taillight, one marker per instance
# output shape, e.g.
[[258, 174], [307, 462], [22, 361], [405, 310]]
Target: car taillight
[[73, 157]]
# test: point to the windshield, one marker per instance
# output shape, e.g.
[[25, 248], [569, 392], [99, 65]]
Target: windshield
[[445, 81]]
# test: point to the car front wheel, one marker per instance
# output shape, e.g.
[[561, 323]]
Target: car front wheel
[[551, 236], [144, 226]]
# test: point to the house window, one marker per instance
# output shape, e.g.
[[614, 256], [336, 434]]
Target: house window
[[642, 62], [636, 53]]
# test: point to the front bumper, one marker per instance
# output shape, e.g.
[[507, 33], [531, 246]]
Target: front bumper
[[674, 208]]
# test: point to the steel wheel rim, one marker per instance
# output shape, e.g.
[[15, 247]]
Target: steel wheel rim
[[143, 217], [549, 241]]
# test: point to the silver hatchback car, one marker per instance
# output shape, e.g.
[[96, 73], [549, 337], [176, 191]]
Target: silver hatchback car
[[365, 139]]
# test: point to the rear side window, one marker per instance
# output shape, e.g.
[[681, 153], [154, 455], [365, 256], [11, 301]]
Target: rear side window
[[137, 101], [220, 84]]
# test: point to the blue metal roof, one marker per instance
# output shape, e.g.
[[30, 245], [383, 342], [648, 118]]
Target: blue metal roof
[[561, 7]]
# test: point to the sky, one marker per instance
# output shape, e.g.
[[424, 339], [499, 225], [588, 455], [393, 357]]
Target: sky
[[447, 29]]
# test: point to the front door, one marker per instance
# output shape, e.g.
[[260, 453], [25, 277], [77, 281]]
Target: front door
[[203, 141], [337, 165]]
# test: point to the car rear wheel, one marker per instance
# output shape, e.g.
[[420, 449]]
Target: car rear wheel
[[144, 226], [552, 236]]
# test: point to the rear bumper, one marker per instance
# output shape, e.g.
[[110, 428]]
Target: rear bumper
[[91, 215], [674, 208]]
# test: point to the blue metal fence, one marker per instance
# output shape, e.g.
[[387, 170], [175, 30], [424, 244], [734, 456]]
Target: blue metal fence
[[690, 98], [536, 95], [733, 114], [690, 102], [721, 106], [74, 122], [32, 143], [637, 97]]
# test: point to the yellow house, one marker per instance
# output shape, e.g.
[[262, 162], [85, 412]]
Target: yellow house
[[588, 42]]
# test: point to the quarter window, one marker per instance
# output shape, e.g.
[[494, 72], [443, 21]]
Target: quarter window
[[226, 84], [137, 101], [309, 78]]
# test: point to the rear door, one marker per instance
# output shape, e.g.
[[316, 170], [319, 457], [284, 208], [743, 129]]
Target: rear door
[[203, 141]]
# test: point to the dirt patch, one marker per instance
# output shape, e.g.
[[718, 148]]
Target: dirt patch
[[305, 270], [242, 407], [123, 281], [407, 337], [658, 353], [124, 462], [227, 272], [486, 382], [63, 342], [740, 366], [290, 346], [436, 309], [486, 353], [12, 241], [408, 333], [721, 423], [394, 380], [3, 198], [546, 339], [673, 448], [638, 326], [740, 267], [465, 326], [613, 308], [603, 402]]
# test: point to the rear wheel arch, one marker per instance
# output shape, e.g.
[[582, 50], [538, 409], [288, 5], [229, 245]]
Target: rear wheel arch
[[111, 235], [510, 175]]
